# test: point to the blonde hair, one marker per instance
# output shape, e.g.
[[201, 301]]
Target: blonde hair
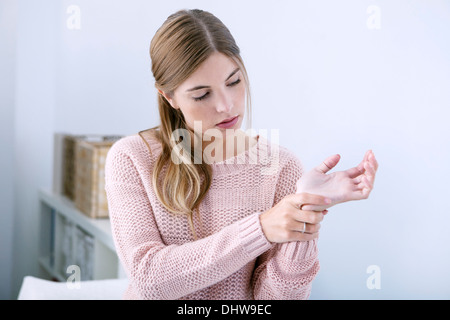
[[185, 40]]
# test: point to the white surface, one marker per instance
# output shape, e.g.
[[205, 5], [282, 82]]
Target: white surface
[[39, 289]]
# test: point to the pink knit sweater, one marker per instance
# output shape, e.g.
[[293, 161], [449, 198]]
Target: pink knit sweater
[[232, 258]]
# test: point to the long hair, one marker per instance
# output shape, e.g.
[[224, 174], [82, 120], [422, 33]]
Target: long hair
[[185, 40]]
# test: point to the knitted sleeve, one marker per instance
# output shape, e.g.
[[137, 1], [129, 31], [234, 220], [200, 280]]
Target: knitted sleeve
[[287, 270], [159, 271]]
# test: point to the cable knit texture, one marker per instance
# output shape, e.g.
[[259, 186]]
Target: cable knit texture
[[231, 259]]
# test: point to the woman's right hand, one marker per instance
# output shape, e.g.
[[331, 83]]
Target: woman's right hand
[[286, 221]]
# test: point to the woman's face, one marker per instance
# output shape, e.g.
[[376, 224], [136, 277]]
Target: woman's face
[[213, 93]]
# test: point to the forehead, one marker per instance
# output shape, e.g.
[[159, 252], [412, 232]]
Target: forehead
[[214, 70]]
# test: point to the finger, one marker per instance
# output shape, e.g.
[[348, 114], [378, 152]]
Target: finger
[[365, 158], [302, 237], [300, 199], [304, 227], [360, 186], [365, 185], [367, 182], [370, 171], [373, 161], [308, 228], [370, 158], [329, 163], [360, 166], [303, 231], [355, 171], [367, 188], [367, 155], [314, 208], [312, 217], [359, 190]]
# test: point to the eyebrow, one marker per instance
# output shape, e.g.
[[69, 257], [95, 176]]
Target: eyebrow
[[205, 87]]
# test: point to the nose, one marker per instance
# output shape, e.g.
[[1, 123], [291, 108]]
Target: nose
[[224, 102]]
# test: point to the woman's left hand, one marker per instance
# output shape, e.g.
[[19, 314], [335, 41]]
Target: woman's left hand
[[342, 186]]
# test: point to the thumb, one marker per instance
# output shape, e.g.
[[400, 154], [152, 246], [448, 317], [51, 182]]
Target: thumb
[[329, 163]]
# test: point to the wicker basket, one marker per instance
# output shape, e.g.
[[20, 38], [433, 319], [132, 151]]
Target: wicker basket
[[69, 165], [90, 156]]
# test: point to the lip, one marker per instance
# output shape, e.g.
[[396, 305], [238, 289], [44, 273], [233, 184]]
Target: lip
[[228, 122]]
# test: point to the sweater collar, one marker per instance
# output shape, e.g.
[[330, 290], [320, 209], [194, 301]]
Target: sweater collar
[[250, 158]]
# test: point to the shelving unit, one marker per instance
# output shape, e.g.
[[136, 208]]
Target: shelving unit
[[70, 238]]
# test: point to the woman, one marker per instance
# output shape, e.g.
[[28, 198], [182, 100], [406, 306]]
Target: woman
[[192, 216]]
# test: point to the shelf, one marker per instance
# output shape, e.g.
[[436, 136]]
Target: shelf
[[44, 262], [101, 228], [68, 237]]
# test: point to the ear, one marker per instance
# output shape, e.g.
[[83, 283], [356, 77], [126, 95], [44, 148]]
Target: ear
[[167, 97]]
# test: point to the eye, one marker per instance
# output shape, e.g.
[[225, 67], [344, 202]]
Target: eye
[[235, 83], [202, 97]]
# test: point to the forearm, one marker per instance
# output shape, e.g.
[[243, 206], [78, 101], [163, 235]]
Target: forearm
[[172, 272], [287, 271]]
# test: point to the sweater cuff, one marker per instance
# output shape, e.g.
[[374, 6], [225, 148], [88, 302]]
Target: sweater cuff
[[299, 251], [252, 237]]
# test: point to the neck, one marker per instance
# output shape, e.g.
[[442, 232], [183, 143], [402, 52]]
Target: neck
[[219, 148]]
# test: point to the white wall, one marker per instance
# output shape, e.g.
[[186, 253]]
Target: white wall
[[8, 25], [35, 72], [318, 73]]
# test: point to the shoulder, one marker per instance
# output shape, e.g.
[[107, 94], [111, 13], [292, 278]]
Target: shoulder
[[290, 167], [131, 156], [290, 158], [137, 146], [283, 158]]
